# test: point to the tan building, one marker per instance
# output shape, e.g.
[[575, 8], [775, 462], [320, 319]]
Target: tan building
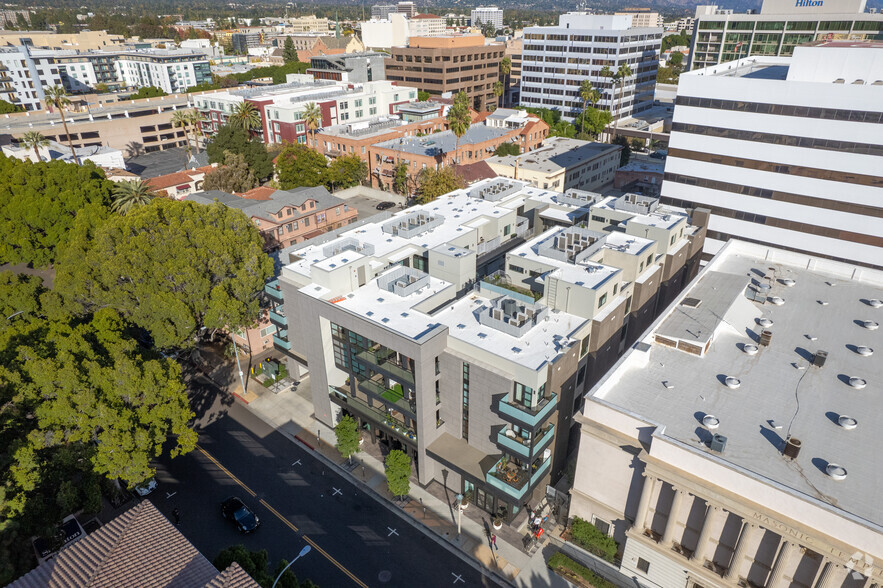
[[308, 24], [84, 41], [643, 20], [561, 164], [734, 444], [450, 63], [357, 138]]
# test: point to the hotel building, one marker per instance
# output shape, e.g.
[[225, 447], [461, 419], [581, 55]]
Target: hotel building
[[734, 443], [555, 61], [474, 375], [782, 25], [785, 151]]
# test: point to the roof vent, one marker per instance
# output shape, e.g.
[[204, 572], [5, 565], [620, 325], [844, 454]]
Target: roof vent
[[764, 322], [750, 349], [732, 383], [711, 422], [875, 302], [792, 447], [871, 325], [836, 471], [787, 282], [718, 443], [864, 351], [858, 383], [691, 302], [847, 422], [776, 300], [766, 337], [820, 358]]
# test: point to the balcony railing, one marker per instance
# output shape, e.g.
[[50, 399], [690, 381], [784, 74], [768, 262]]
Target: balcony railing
[[393, 397], [381, 359], [531, 416], [279, 342], [273, 289], [278, 318], [516, 482], [379, 417], [526, 447]]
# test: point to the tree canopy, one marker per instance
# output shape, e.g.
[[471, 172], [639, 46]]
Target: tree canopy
[[9, 107], [237, 140], [348, 437], [256, 564], [146, 92], [40, 202], [507, 149], [298, 165], [347, 171], [171, 267], [289, 53], [233, 176], [398, 472], [433, 183]]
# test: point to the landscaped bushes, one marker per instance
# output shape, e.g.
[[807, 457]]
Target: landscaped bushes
[[561, 563], [587, 536]]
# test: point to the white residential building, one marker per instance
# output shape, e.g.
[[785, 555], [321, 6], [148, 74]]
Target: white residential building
[[24, 76], [735, 444], [786, 151], [555, 60], [171, 70], [426, 25], [485, 14], [385, 33]]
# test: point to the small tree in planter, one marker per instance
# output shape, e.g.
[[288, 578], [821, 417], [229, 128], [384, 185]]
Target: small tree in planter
[[587, 536], [398, 473], [347, 434]]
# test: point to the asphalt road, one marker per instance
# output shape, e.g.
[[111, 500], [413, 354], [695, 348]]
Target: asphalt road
[[356, 540], [366, 205]]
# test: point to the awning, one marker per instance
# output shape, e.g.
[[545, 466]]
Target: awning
[[183, 187], [315, 233]]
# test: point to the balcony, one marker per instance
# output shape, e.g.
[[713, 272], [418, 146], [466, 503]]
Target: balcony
[[514, 481], [393, 397], [273, 289], [281, 343], [377, 416], [380, 358], [526, 448], [278, 318], [530, 416]]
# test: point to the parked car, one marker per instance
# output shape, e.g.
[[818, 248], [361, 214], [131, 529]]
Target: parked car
[[145, 488], [238, 513], [385, 205]]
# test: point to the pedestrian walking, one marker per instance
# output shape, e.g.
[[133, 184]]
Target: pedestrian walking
[[494, 541], [176, 514]]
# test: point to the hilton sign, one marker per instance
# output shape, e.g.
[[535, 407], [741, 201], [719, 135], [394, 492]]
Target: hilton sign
[[804, 3]]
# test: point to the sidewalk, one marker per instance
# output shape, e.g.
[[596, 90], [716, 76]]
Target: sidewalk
[[291, 413]]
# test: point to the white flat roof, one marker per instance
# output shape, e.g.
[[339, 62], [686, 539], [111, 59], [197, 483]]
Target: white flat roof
[[780, 392], [585, 274]]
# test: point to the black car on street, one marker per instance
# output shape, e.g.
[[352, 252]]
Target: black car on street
[[236, 511]]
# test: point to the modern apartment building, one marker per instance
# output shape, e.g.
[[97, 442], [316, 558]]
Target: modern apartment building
[[170, 70], [282, 107], [449, 63], [243, 41], [734, 444], [487, 14], [556, 60], [475, 378], [780, 26], [385, 33], [409, 9], [561, 164], [382, 11], [643, 19], [349, 67], [785, 151], [426, 25], [24, 76]]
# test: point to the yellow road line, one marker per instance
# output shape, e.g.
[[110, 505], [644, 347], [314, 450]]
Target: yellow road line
[[335, 562], [226, 471], [279, 516]]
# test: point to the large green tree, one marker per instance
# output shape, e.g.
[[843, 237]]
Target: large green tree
[[39, 203], [398, 473], [298, 165], [433, 183], [347, 433], [256, 564], [347, 171], [233, 176], [595, 121], [459, 118], [239, 141], [289, 53], [9, 107], [171, 267]]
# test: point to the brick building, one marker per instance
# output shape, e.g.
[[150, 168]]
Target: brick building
[[449, 63]]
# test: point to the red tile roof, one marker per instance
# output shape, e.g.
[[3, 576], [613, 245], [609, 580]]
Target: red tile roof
[[138, 548], [472, 172], [259, 193]]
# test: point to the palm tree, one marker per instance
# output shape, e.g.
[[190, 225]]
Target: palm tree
[[57, 98], [130, 195], [585, 92], [459, 119], [34, 140], [498, 90], [181, 119], [505, 70], [196, 118], [606, 72], [622, 73], [245, 116], [313, 118]]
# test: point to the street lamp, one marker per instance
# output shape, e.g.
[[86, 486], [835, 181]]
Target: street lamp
[[302, 553], [238, 365], [459, 512]]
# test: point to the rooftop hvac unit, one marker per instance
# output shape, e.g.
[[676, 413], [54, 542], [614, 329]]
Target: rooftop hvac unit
[[718, 443], [792, 447], [766, 336], [819, 358]]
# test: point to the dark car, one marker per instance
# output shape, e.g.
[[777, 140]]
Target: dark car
[[235, 510], [385, 205]]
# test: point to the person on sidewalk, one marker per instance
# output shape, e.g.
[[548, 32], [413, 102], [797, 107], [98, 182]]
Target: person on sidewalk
[[494, 541], [176, 514]]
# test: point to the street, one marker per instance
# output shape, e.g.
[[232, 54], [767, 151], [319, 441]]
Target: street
[[355, 540]]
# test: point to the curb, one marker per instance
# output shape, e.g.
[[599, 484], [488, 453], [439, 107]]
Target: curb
[[468, 558]]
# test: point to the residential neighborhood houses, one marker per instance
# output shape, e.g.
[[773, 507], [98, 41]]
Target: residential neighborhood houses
[[286, 292]]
